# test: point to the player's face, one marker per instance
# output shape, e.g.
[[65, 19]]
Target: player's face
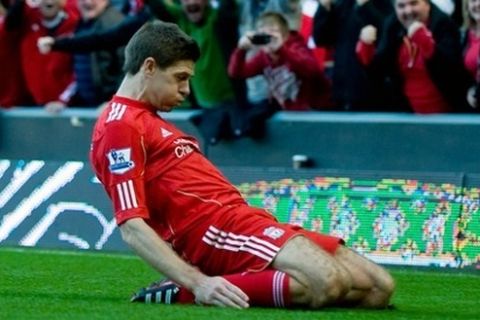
[[50, 8], [409, 11], [169, 87]]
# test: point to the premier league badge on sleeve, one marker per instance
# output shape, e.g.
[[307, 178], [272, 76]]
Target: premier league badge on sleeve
[[120, 160]]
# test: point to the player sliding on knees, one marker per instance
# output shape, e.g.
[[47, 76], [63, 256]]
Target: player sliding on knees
[[184, 218]]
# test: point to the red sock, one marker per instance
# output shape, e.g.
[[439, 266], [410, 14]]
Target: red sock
[[185, 296], [269, 288]]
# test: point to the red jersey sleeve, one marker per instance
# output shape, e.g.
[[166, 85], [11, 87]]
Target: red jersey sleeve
[[118, 157]]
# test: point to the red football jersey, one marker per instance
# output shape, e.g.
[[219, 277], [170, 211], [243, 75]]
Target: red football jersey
[[152, 170]]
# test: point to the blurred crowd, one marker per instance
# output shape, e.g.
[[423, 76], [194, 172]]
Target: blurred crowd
[[258, 56]]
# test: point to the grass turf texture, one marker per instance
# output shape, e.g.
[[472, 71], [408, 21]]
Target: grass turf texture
[[36, 284]]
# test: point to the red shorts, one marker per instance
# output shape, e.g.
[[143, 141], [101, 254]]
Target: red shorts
[[244, 239]]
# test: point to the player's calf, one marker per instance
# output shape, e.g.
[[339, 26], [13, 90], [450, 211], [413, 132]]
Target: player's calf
[[319, 274]]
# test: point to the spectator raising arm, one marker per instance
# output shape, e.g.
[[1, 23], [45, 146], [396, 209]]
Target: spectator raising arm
[[365, 49], [239, 67], [116, 36]]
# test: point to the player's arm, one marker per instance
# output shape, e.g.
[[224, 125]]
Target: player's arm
[[150, 247], [118, 155], [115, 36]]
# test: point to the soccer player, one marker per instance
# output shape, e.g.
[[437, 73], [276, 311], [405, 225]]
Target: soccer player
[[181, 215]]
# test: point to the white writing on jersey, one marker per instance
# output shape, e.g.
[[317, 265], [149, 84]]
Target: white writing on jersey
[[126, 195], [184, 147], [185, 141], [183, 150], [116, 111]]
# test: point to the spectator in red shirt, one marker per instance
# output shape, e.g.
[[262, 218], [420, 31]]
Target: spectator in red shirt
[[182, 216], [295, 80], [49, 78], [420, 54]]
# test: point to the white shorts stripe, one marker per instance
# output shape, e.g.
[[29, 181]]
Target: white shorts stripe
[[237, 249], [233, 242], [232, 235], [247, 242], [120, 196]]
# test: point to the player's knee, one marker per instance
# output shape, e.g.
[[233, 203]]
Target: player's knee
[[384, 281], [333, 289], [299, 293], [385, 286], [388, 286]]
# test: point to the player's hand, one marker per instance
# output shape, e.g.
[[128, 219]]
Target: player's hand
[[45, 44], [368, 34], [55, 107], [219, 292]]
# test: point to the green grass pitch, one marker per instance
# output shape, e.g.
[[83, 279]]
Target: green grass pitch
[[37, 284]]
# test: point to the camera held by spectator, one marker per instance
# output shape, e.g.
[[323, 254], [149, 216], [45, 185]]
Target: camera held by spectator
[[260, 38]]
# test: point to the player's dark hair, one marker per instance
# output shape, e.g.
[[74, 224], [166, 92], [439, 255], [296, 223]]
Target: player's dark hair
[[162, 41]]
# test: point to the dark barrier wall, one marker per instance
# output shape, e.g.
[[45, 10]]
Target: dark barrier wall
[[346, 141], [33, 134], [398, 142]]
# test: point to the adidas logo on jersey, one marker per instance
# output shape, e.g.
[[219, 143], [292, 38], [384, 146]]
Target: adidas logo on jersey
[[165, 132]]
